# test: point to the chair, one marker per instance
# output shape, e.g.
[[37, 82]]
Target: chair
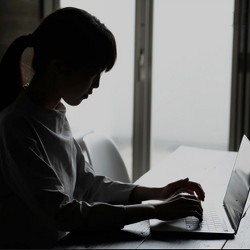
[[104, 156]]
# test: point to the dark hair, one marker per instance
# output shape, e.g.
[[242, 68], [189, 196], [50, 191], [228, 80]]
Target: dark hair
[[71, 35]]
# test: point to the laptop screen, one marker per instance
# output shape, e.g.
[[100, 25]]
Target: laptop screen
[[238, 186]]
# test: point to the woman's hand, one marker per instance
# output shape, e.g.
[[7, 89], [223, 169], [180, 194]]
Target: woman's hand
[[141, 193], [178, 206], [175, 207], [182, 186]]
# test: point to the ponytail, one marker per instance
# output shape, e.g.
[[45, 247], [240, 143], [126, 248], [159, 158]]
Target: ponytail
[[11, 73], [70, 35]]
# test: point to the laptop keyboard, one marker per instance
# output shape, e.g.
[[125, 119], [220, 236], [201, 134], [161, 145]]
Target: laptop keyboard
[[211, 222]]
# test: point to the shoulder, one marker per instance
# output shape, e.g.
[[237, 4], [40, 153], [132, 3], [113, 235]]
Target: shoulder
[[12, 123], [10, 116]]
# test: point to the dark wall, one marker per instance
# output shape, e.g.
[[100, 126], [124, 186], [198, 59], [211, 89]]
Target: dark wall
[[18, 17]]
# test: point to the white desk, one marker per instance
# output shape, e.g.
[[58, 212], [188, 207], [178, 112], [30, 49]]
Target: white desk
[[210, 168]]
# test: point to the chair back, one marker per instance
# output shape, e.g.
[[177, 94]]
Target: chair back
[[104, 156]]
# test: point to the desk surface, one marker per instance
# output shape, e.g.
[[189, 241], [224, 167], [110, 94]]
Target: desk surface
[[211, 168]]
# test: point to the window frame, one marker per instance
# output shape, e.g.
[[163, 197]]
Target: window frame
[[240, 85]]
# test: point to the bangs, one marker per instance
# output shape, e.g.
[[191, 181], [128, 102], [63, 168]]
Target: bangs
[[102, 51], [108, 58], [97, 50]]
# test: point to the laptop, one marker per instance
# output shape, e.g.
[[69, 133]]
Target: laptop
[[219, 220]]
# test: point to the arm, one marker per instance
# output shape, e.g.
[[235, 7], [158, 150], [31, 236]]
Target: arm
[[103, 216], [85, 216], [178, 206], [90, 187], [182, 186], [174, 205]]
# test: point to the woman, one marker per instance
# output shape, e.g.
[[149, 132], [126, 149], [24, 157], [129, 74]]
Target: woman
[[47, 188]]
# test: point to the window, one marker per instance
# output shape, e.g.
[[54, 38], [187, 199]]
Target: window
[[191, 76], [191, 81]]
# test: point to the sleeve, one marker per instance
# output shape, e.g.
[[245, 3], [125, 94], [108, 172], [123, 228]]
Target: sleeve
[[27, 187], [81, 216], [93, 188], [35, 188]]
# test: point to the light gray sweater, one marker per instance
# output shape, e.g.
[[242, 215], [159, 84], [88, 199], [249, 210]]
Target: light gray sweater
[[46, 186]]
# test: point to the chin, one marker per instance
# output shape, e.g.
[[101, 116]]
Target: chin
[[74, 103]]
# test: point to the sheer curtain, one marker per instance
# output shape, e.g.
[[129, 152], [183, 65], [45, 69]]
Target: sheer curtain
[[192, 62]]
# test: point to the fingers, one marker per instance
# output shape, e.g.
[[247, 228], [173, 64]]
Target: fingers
[[196, 187], [195, 210], [189, 205], [179, 206], [189, 200], [191, 187], [193, 213], [189, 191]]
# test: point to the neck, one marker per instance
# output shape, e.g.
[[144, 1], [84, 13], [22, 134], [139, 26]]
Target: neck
[[42, 91]]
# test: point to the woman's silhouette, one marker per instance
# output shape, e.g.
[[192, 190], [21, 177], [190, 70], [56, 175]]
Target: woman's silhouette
[[46, 187]]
